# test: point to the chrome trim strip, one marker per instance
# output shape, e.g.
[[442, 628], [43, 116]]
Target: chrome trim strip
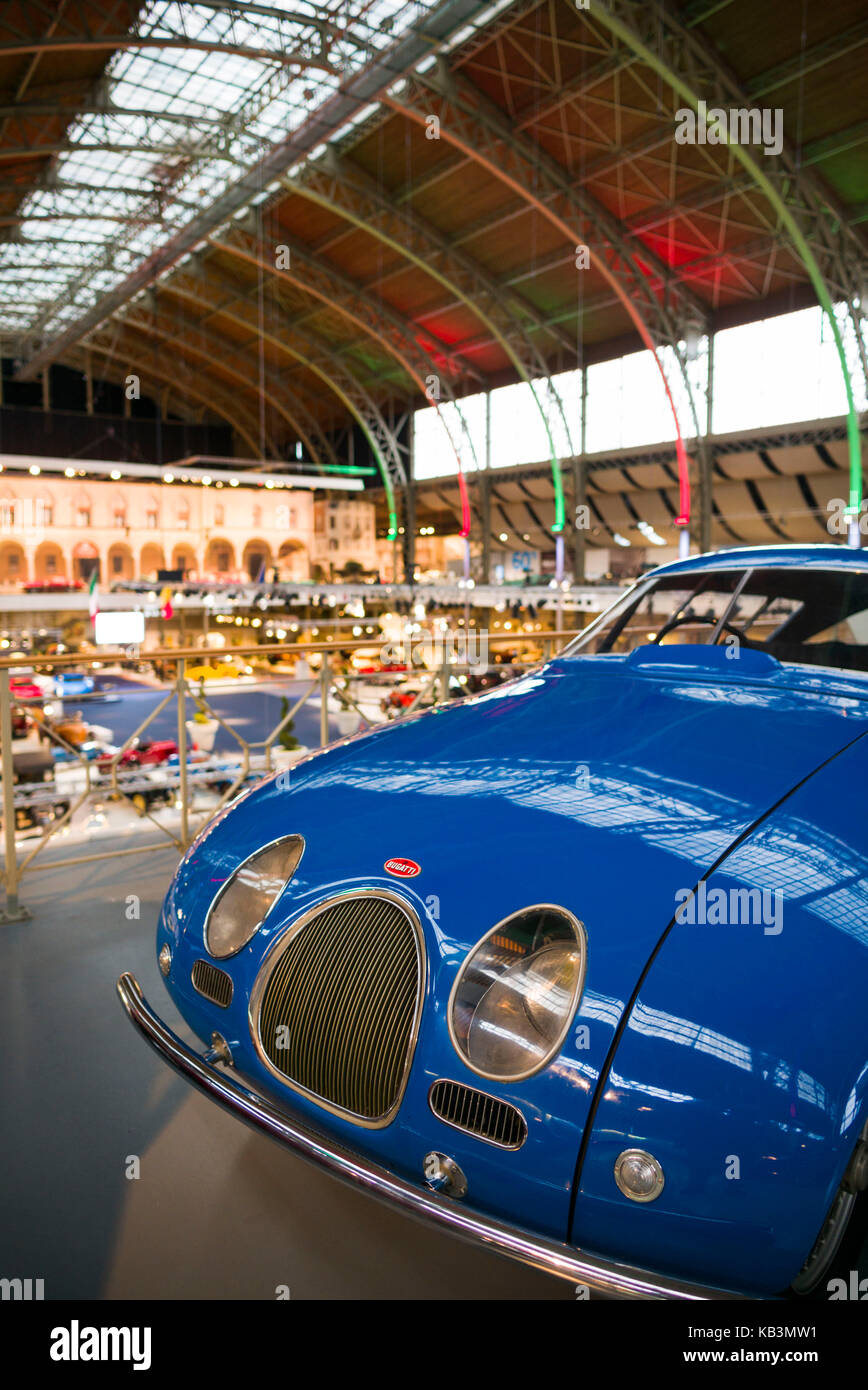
[[551, 1257]]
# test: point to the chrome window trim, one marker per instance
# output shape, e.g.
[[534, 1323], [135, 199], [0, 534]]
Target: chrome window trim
[[224, 887], [576, 648], [582, 939], [269, 962]]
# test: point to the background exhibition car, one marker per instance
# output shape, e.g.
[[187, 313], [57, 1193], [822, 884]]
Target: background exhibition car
[[25, 688], [53, 586], [576, 967], [142, 753], [72, 683], [218, 671]]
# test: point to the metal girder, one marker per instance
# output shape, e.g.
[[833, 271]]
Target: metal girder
[[27, 76], [213, 350], [314, 353], [688, 62], [127, 337], [418, 350], [114, 43], [428, 366], [474, 124], [351, 194], [346, 190], [828, 146], [69, 109], [355, 92], [12, 153], [809, 60], [154, 367], [55, 185], [218, 294]]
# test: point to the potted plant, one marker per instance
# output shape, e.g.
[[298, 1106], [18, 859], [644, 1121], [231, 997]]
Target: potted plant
[[288, 747], [286, 738], [201, 729]]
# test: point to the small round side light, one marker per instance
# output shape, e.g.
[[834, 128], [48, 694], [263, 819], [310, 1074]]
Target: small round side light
[[638, 1175]]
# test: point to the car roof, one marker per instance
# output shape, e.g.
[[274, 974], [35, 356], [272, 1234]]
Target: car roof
[[770, 557]]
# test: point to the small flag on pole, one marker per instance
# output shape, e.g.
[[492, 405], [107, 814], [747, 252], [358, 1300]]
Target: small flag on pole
[[92, 600]]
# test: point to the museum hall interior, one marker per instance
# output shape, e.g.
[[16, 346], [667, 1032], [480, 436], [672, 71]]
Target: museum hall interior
[[434, 667]]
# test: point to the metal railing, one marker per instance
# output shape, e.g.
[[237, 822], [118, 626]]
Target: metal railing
[[109, 777]]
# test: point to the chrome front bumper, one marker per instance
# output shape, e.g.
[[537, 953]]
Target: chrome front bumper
[[600, 1276]]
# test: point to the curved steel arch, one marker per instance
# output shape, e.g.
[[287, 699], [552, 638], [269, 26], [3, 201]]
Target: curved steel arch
[[374, 317], [350, 194], [108, 353], [297, 414], [201, 344], [318, 358], [684, 59], [473, 124], [113, 43], [326, 282], [133, 352]]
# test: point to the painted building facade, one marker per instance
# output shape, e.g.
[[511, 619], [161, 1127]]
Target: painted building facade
[[59, 528]]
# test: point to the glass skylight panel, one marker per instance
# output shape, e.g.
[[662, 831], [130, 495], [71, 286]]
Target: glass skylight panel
[[186, 122]]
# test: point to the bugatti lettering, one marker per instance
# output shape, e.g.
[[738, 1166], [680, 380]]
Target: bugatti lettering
[[402, 868]]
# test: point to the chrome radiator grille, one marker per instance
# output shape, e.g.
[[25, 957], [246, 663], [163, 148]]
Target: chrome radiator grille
[[465, 1108], [335, 1013]]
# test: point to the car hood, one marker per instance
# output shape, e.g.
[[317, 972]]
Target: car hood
[[595, 783], [603, 785]]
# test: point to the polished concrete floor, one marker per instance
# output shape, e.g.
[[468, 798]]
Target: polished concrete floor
[[217, 1212]]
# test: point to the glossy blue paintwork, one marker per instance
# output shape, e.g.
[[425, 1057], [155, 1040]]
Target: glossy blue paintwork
[[605, 784], [748, 1042]]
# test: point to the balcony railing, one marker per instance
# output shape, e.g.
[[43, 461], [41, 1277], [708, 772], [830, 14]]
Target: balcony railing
[[42, 797]]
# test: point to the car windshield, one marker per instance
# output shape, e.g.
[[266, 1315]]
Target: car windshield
[[816, 617]]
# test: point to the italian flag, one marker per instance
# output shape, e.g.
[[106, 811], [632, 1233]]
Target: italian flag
[[92, 600]]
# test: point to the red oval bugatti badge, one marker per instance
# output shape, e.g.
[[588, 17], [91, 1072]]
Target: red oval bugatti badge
[[402, 868]]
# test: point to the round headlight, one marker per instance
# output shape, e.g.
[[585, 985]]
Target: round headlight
[[517, 992], [243, 902]]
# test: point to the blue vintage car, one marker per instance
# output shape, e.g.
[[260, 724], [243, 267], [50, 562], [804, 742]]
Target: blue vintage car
[[577, 967], [73, 683]]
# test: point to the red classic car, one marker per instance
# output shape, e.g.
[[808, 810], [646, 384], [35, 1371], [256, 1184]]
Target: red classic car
[[23, 688], [145, 754]]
